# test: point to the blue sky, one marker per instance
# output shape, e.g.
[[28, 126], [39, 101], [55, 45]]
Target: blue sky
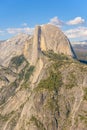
[[22, 15]]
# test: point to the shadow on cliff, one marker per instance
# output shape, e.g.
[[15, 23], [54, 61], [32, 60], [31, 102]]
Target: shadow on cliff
[[83, 61]]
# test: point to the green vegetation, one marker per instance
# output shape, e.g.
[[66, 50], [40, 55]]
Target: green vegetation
[[52, 83], [25, 85], [23, 71], [10, 91], [28, 73], [52, 103], [17, 61], [83, 118], [85, 94], [6, 117], [14, 84], [71, 81], [25, 75], [21, 74], [3, 118], [13, 116], [53, 56], [4, 79], [37, 123]]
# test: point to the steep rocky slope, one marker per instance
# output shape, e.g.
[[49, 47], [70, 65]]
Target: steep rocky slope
[[42, 87]]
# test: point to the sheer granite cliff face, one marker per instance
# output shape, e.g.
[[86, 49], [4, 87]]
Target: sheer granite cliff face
[[41, 86], [49, 37], [53, 39]]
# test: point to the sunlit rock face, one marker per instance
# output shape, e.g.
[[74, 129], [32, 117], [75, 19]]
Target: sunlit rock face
[[52, 38], [49, 37]]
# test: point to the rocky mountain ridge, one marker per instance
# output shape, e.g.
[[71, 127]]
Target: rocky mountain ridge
[[84, 42], [41, 86]]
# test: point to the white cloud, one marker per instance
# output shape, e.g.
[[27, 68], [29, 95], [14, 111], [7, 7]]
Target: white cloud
[[76, 33], [19, 30], [56, 21], [24, 24], [80, 32], [1, 32], [75, 21]]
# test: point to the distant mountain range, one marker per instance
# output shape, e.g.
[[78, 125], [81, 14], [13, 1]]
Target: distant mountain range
[[80, 48], [2, 41], [81, 45], [80, 42]]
